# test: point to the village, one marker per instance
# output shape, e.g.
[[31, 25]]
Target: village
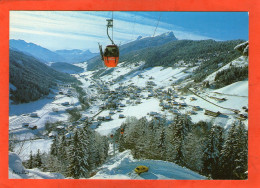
[[112, 101]]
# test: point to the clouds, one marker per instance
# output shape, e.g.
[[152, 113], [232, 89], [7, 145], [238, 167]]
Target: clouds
[[84, 29]]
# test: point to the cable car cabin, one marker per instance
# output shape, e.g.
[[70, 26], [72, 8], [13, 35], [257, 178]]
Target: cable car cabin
[[111, 56], [111, 53]]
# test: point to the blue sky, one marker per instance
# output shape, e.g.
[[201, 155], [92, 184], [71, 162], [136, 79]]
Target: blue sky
[[57, 30]]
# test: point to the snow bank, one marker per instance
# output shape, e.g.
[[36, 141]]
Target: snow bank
[[122, 166], [17, 170]]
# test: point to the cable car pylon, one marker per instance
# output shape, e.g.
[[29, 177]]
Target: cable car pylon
[[111, 53]]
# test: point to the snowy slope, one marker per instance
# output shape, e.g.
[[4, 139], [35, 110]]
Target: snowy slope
[[239, 62], [20, 113], [238, 88], [160, 76], [236, 96], [17, 170], [83, 65], [122, 166]]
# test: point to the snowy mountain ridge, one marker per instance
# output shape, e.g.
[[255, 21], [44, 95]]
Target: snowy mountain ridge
[[45, 55]]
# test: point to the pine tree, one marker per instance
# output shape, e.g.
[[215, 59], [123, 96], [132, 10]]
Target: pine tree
[[102, 148], [211, 155], [241, 158], [193, 151], [170, 144], [38, 160], [234, 153], [227, 154], [160, 148], [30, 162], [181, 125], [78, 164], [132, 134], [54, 147], [61, 150], [90, 150], [142, 144], [62, 154], [121, 143], [146, 144]]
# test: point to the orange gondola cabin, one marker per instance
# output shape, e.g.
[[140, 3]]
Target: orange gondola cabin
[[111, 53], [111, 56]]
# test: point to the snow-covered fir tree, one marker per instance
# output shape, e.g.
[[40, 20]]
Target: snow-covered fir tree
[[54, 147], [78, 165], [234, 153], [211, 157], [30, 162], [181, 126], [62, 155], [160, 143], [38, 159]]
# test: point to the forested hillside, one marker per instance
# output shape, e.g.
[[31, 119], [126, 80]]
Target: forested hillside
[[207, 53], [135, 46], [66, 68], [32, 78]]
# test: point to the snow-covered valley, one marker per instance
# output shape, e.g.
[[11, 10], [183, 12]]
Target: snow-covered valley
[[153, 93]]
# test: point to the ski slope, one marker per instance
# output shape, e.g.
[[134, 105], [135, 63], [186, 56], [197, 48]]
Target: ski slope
[[122, 166]]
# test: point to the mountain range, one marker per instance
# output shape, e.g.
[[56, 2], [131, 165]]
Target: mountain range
[[140, 43], [76, 56], [206, 56], [171, 52], [45, 55]]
